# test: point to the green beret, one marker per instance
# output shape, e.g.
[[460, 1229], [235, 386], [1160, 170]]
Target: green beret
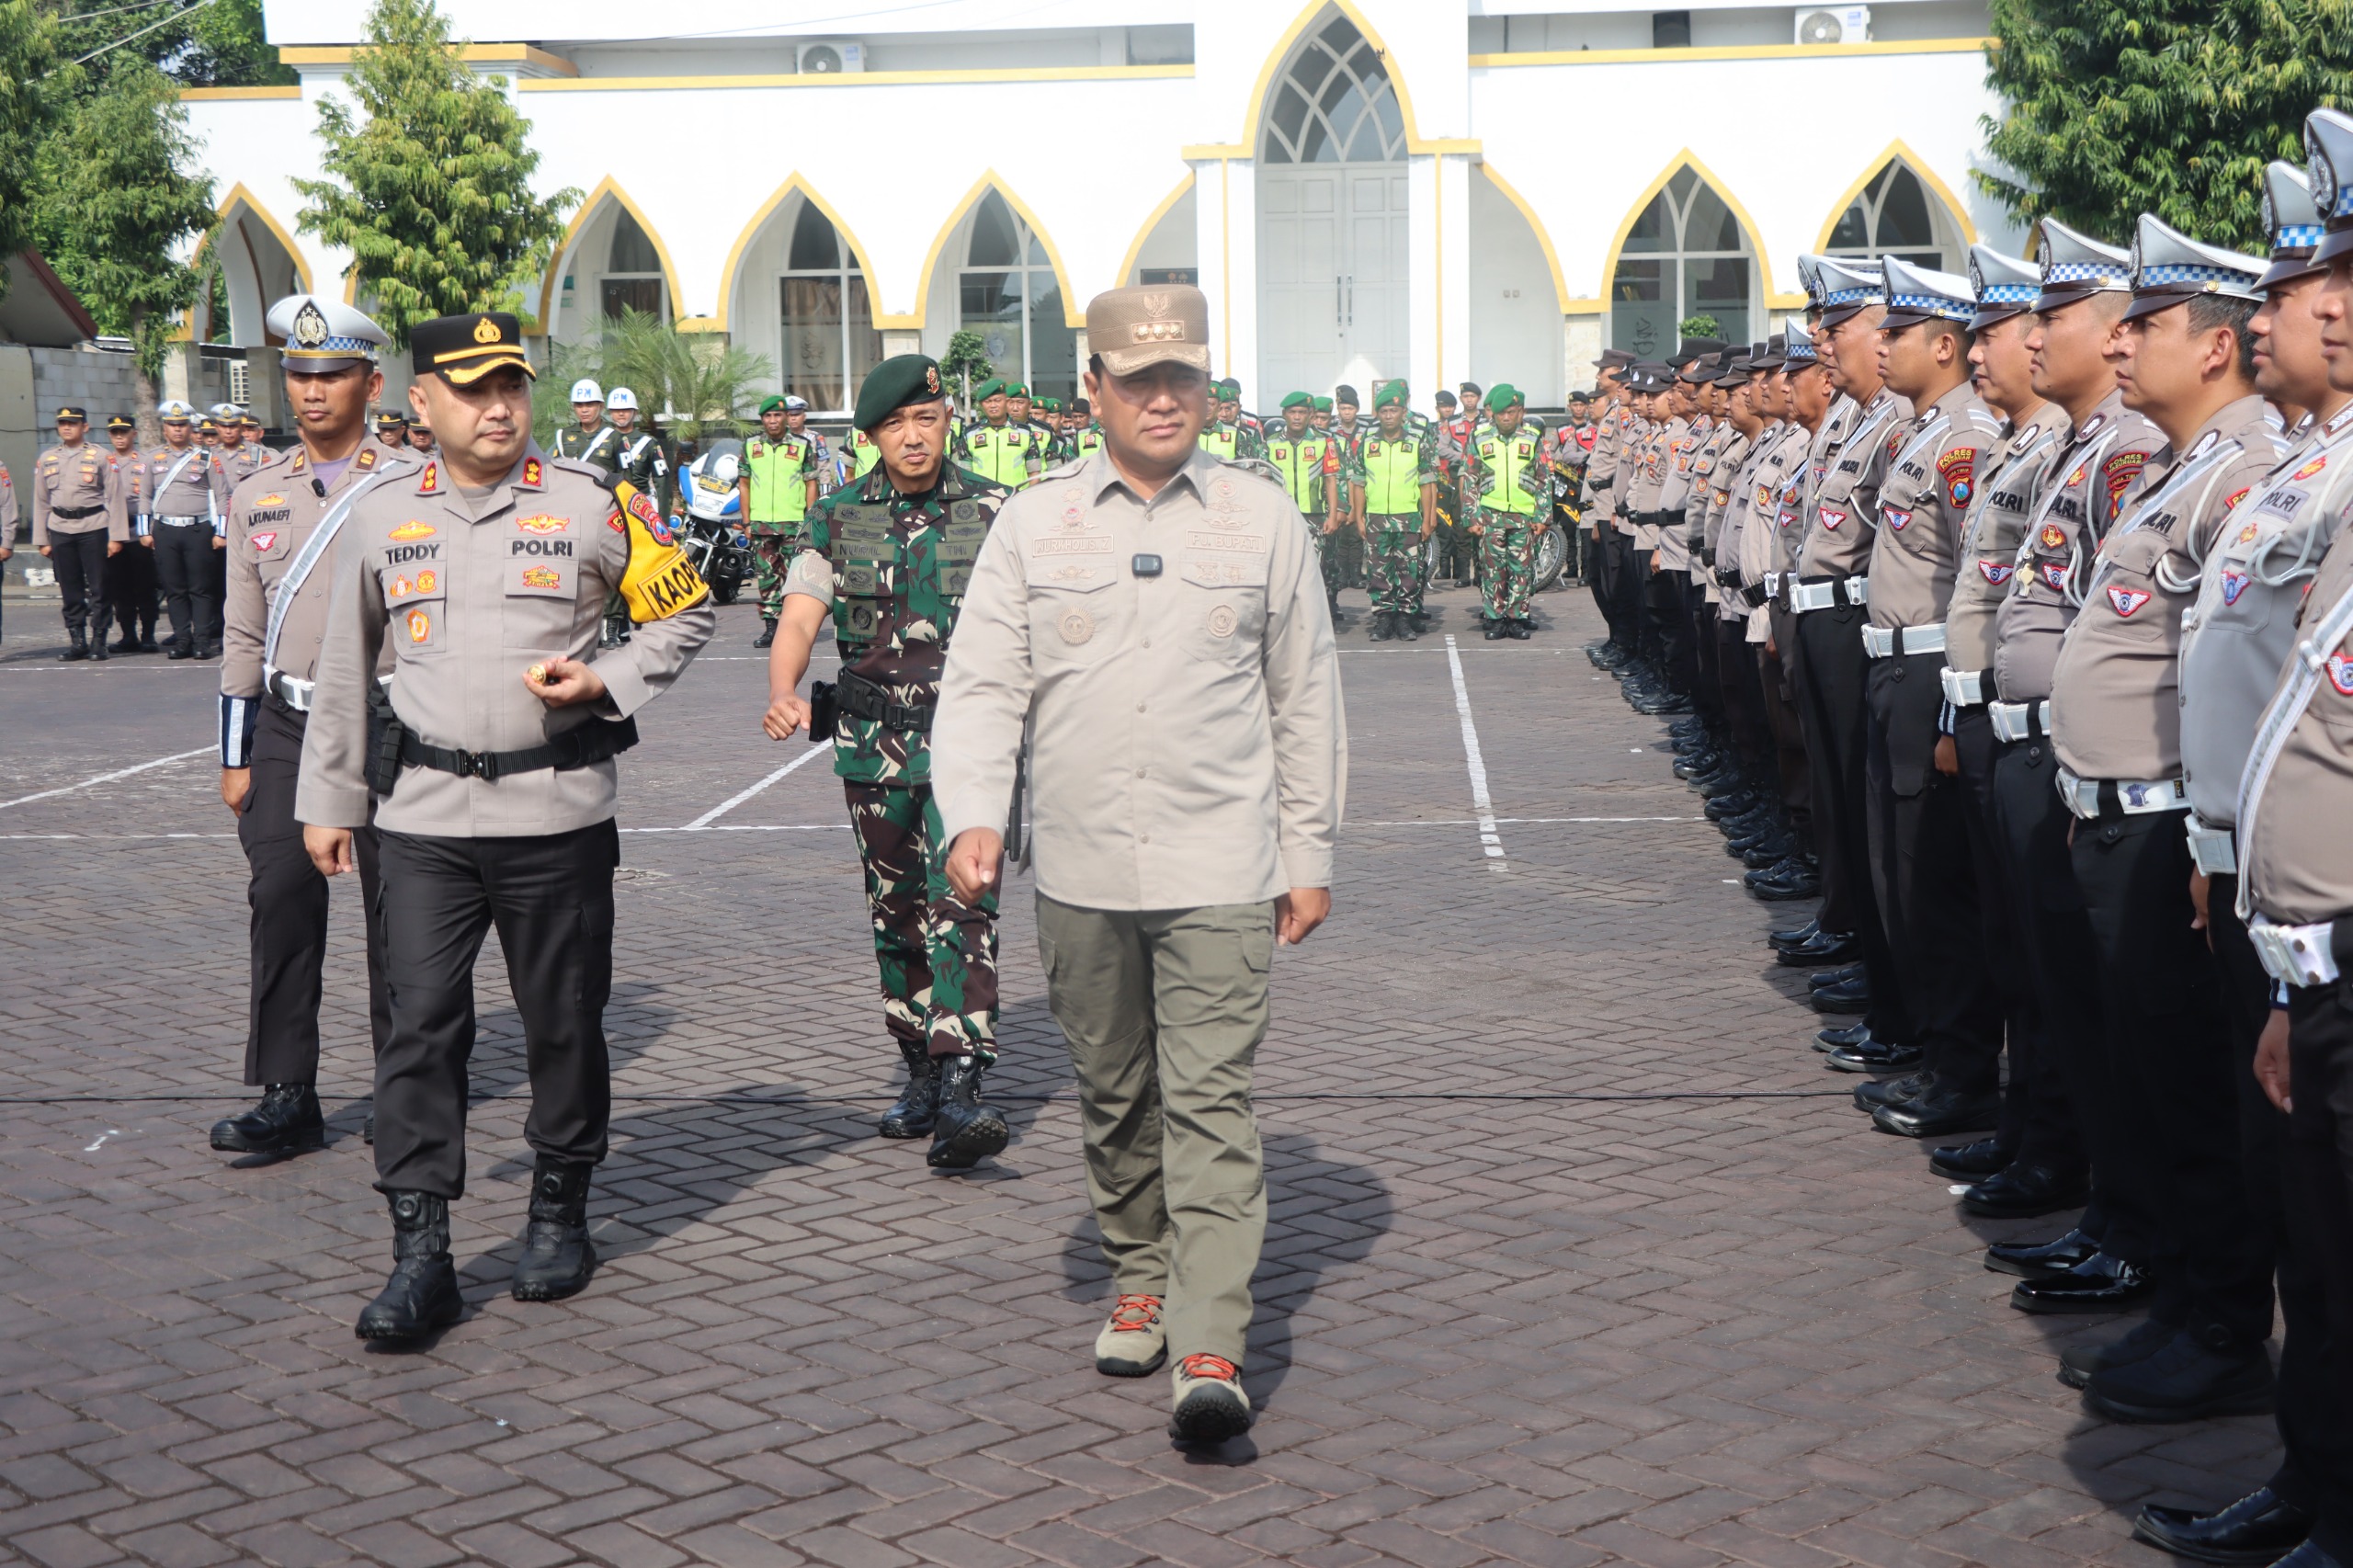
[[1228, 389], [1393, 392], [1323, 405], [1015, 389], [993, 387], [894, 384], [771, 404], [1503, 394], [1298, 399]]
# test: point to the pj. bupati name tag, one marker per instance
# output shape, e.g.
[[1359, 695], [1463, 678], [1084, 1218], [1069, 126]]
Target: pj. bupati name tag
[[1248, 544]]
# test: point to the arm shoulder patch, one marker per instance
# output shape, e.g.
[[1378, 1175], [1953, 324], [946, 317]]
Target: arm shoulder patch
[[659, 580]]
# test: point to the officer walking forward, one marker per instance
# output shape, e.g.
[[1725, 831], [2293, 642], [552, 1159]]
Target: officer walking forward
[[286, 525], [486, 570], [1159, 620]]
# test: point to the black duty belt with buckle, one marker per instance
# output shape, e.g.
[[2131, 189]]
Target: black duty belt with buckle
[[863, 698], [75, 514], [584, 746]]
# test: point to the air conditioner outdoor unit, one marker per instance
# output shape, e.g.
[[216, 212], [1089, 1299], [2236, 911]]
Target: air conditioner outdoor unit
[[830, 56], [1843, 24]]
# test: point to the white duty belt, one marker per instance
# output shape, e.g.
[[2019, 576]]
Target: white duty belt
[[1888, 641], [2295, 955], [1963, 688], [2213, 850], [2021, 721], [1828, 592], [2134, 797]]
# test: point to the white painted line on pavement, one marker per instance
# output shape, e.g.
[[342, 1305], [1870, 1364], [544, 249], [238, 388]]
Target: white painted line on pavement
[[732, 801], [1489, 840], [108, 778], [753, 828]]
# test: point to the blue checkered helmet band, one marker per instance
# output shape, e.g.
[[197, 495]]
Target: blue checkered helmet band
[[336, 346], [2166, 272], [1933, 304], [2290, 236], [2009, 293], [1867, 293], [2100, 272], [1801, 353]]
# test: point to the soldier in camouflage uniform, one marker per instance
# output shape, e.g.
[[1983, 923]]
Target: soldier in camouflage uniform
[[1507, 467], [1393, 487], [889, 555], [778, 486]]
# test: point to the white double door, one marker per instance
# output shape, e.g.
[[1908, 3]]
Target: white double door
[[1331, 278]]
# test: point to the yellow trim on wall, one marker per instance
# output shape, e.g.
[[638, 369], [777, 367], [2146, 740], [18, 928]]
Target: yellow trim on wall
[[580, 216], [863, 78], [1731, 52], [231, 94], [799, 183], [1897, 153], [472, 55], [1074, 308], [1167, 205], [1543, 239], [1685, 158]]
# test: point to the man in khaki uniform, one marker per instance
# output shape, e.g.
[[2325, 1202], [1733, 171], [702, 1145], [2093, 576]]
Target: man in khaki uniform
[[280, 577], [489, 767], [1159, 620], [78, 522], [185, 492]]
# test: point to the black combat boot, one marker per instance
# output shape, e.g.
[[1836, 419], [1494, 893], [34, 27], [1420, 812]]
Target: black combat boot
[[766, 636], [128, 642], [557, 1257], [422, 1294], [147, 637], [76, 650], [968, 1131], [918, 1107], [286, 1122], [1376, 629], [98, 646], [1406, 627]]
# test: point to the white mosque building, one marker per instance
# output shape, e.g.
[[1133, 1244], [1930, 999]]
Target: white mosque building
[[1439, 189]]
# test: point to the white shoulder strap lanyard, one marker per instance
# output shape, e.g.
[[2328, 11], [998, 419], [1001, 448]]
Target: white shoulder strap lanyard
[[2310, 664], [298, 570], [173, 473]]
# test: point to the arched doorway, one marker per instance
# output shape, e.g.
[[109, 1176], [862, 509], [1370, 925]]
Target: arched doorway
[[1007, 291], [1333, 247], [609, 262], [258, 267], [1686, 255], [1894, 215]]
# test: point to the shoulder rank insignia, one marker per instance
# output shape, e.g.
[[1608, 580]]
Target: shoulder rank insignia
[[533, 473]]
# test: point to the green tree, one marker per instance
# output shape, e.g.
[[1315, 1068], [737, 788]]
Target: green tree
[[697, 388], [430, 185], [218, 43], [1699, 326], [966, 364], [2116, 108], [27, 109], [118, 209]]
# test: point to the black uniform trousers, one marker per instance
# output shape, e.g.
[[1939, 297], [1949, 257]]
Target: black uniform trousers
[[551, 899], [184, 561], [2038, 1114], [1598, 577], [1698, 617], [2315, 1429], [1670, 627], [80, 561], [1743, 695], [1638, 602], [1831, 679], [289, 929], [1774, 663], [2169, 1088], [131, 590], [2319, 1203], [1924, 879]]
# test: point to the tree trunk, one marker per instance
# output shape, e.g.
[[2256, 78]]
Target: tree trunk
[[151, 428]]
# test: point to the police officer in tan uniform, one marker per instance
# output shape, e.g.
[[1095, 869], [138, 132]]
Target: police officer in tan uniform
[[132, 590], [186, 493], [281, 572], [489, 767], [78, 521]]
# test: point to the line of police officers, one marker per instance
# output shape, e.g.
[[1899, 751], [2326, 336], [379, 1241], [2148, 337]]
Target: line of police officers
[[2008, 613]]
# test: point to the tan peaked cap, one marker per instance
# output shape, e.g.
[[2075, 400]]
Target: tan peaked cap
[[1133, 328]]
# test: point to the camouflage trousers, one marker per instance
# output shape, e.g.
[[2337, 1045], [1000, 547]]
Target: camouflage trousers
[[773, 545], [1395, 564], [1507, 565], [937, 955], [1327, 554]]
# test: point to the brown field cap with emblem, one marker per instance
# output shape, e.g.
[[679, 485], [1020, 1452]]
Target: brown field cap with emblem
[[1135, 328], [463, 350]]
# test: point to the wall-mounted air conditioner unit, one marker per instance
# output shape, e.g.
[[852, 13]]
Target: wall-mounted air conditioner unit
[[830, 56], [1841, 24]]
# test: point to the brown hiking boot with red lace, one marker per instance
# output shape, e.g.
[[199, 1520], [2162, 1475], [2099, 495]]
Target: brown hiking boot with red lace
[[1132, 1342], [1210, 1405]]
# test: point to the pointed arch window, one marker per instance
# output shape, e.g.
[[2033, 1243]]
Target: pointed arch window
[[633, 279], [829, 341], [1686, 255], [1007, 292], [1335, 105], [1895, 216]]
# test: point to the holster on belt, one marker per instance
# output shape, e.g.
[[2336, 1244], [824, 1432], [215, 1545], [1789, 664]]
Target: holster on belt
[[825, 713], [386, 735]]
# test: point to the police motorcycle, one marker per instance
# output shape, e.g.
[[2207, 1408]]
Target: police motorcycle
[[711, 533]]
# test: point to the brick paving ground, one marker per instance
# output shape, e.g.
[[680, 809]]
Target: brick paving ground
[[1520, 1303]]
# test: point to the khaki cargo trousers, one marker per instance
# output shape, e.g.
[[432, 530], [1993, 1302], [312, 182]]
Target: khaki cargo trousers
[[1163, 1010]]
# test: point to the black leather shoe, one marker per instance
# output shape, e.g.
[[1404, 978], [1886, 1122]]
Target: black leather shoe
[[1893, 1091], [286, 1122], [2035, 1260], [179, 651], [1843, 1037], [767, 635], [1663, 705], [1825, 948], [1769, 852], [1695, 763], [2260, 1528], [1716, 786], [2312, 1554], [75, 651], [1495, 632], [1847, 996], [2185, 1380], [1793, 937], [422, 1294], [1874, 1056], [1520, 630], [557, 1257], [2098, 1284], [1792, 879], [208, 651], [1971, 1162], [1730, 808], [968, 1131], [127, 644], [2025, 1192], [147, 641], [99, 648], [1838, 976], [2078, 1362], [913, 1114], [1938, 1115]]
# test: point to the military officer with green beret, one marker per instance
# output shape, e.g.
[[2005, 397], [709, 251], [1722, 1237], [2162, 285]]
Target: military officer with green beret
[[890, 556], [1086, 435], [1393, 487], [1308, 463], [1001, 448], [779, 484], [1507, 468], [1227, 436]]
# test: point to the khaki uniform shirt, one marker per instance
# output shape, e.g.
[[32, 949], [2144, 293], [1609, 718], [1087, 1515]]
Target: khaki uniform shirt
[[247, 459], [271, 516], [1844, 521], [1679, 460], [7, 509], [471, 595], [2115, 693], [198, 487], [2089, 479], [1821, 450], [1601, 464], [1713, 474], [2244, 625], [1991, 536], [1745, 544], [2293, 850], [1632, 440], [1189, 747], [1649, 479], [1923, 506], [73, 479]]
